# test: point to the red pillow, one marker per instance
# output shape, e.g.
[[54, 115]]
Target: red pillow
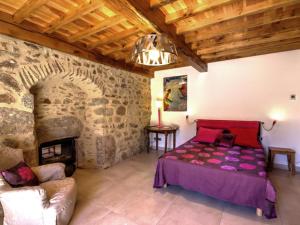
[[246, 137], [20, 175], [207, 135]]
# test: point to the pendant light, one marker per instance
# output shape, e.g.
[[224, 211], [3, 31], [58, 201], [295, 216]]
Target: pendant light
[[154, 50]]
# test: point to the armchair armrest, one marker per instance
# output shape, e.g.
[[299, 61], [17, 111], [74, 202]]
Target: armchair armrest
[[4, 186], [53, 171], [26, 202]]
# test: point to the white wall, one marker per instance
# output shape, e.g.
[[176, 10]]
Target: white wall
[[253, 88]]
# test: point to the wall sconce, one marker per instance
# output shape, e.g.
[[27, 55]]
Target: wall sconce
[[159, 104], [277, 114], [269, 129]]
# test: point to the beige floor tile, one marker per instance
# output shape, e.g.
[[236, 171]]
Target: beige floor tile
[[190, 214], [115, 197], [169, 193], [115, 219], [240, 215], [144, 209], [186, 197], [88, 212]]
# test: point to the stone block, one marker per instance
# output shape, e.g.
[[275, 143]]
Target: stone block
[[104, 111], [28, 101], [15, 122], [7, 98], [121, 110], [106, 150], [57, 128], [9, 81], [99, 101]]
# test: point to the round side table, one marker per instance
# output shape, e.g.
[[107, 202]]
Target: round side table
[[166, 130]]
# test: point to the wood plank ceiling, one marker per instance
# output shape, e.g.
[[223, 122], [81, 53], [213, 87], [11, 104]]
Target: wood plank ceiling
[[203, 30]]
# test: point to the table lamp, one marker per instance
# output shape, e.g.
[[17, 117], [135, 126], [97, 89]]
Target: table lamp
[[159, 105]]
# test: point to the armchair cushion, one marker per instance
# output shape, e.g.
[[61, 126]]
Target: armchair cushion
[[4, 186], [62, 198], [20, 175], [24, 205], [53, 171]]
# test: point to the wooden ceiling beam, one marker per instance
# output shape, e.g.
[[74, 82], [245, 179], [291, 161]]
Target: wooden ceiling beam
[[170, 66], [122, 7], [83, 9], [267, 30], [115, 37], [160, 3], [5, 17], [50, 42], [28, 7], [195, 9], [124, 47], [105, 24], [242, 24], [251, 41], [157, 18], [245, 11], [286, 45]]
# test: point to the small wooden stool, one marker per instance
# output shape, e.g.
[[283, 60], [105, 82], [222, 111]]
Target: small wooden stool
[[290, 154]]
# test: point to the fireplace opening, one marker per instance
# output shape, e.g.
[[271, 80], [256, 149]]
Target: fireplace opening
[[62, 150]]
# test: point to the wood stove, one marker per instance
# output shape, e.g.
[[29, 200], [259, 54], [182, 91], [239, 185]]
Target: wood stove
[[62, 150]]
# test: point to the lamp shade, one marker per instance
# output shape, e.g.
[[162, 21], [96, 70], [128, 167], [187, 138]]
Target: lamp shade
[[154, 50], [158, 103]]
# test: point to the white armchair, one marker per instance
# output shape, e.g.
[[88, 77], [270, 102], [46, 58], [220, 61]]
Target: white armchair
[[50, 203]]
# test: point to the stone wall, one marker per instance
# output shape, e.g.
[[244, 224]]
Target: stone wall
[[46, 95]]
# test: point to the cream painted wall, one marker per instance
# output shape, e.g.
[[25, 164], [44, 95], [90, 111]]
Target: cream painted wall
[[253, 88]]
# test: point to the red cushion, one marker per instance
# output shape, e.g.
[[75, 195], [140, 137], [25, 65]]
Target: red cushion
[[20, 175], [207, 135], [246, 137]]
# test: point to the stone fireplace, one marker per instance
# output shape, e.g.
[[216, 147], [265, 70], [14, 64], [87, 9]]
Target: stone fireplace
[[47, 95]]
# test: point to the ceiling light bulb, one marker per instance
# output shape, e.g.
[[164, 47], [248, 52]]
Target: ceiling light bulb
[[154, 54]]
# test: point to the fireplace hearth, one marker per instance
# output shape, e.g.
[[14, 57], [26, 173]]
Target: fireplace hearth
[[62, 150]]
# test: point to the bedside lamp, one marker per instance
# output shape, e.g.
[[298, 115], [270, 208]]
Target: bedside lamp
[[276, 115], [159, 104]]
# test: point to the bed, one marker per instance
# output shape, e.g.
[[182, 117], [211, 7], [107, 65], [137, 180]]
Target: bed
[[235, 174]]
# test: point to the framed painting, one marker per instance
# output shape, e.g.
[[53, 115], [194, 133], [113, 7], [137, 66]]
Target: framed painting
[[175, 93]]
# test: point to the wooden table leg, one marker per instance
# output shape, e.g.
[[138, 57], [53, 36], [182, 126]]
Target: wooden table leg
[[148, 141], [174, 139], [166, 141], [293, 164], [269, 160], [156, 141], [289, 159], [272, 161]]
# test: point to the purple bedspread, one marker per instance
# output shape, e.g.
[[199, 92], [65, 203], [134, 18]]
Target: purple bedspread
[[236, 174]]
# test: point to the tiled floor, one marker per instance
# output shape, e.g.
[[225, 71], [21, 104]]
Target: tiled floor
[[123, 195]]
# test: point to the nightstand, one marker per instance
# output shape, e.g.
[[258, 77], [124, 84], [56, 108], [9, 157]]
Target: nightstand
[[290, 154]]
